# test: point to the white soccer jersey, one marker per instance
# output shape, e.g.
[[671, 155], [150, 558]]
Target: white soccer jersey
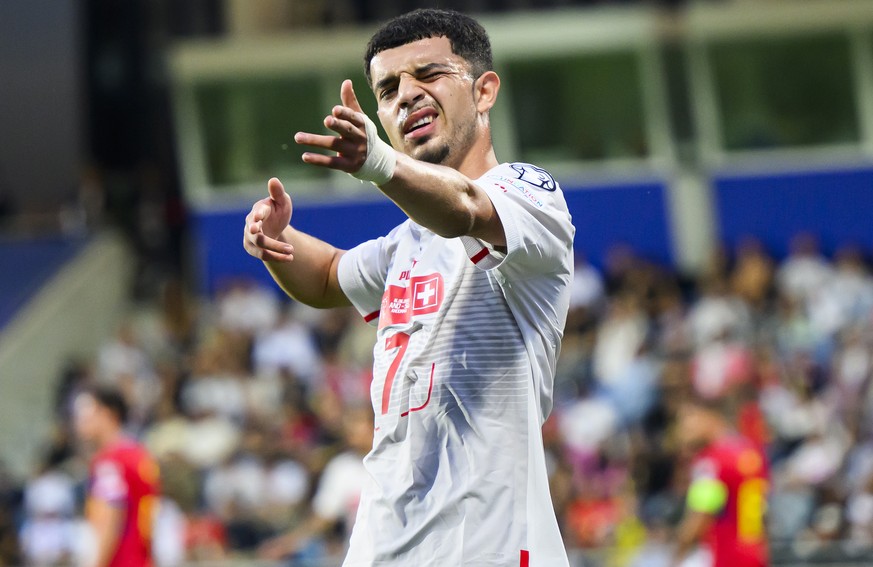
[[462, 382]]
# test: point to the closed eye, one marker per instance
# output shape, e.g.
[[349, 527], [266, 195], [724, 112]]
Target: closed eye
[[389, 84]]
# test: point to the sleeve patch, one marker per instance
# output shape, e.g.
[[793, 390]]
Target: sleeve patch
[[536, 176], [707, 495], [108, 483], [501, 183]]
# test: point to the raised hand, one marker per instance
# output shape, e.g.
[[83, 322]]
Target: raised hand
[[265, 223], [349, 122]]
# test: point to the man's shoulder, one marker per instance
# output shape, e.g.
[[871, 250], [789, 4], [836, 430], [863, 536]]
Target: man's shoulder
[[526, 183], [524, 174], [126, 453], [732, 453]]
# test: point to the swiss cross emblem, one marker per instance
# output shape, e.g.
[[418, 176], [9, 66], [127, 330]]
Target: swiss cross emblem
[[424, 295], [427, 293]]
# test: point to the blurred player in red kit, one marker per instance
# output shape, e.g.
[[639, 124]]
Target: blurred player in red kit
[[123, 488], [727, 494]]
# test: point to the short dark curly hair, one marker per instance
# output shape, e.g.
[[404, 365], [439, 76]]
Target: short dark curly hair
[[111, 399], [467, 36]]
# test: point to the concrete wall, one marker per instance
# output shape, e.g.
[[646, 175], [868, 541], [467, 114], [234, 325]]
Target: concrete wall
[[70, 316]]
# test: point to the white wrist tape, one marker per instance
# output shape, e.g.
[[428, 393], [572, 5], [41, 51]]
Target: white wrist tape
[[381, 160]]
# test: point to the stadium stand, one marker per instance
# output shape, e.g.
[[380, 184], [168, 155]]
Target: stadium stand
[[242, 399], [25, 265]]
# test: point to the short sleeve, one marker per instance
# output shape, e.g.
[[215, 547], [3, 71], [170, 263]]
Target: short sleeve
[[362, 272], [536, 221], [108, 483]]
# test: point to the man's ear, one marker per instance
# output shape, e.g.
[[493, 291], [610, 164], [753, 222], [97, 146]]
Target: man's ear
[[486, 88]]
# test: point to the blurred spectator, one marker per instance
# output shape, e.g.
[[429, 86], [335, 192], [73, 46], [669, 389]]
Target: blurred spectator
[[287, 346], [50, 533], [124, 364], [721, 366], [620, 338], [249, 492], [752, 277], [852, 287], [805, 272], [246, 307], [169, 535], [718, 315], [203, 440], [859, 514], [587, 289], [335, 502], [10, 504]]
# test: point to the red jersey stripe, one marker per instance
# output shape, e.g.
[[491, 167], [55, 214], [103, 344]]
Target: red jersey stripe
[[371, 316], [479, 256], [429, 392], [525, 558]]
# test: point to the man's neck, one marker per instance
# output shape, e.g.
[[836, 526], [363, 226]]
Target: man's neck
[[478, 160], [109, 439]]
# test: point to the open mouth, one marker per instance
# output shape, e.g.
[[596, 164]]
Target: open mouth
[[419, 123]]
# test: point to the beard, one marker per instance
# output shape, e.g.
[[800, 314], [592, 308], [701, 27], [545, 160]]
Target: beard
[[436, 155], [450, 151]]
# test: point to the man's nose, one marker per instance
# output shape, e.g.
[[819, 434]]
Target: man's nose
[[409, 91]]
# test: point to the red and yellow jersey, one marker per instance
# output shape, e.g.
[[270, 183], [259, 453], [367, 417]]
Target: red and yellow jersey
[[729, 482], [126, 476]]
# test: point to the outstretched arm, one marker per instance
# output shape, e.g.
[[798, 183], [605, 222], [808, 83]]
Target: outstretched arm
[[304, 266], [437, 197], [445, 201]]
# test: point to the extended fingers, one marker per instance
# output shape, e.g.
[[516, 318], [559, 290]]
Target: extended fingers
[[348, 96], [349, 122], [334, 143], [345, 123], [270, 256], [261, 246], [339, 162]]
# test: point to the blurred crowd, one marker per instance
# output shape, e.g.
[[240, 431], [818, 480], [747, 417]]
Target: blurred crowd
[[787, 347], [258, 410]]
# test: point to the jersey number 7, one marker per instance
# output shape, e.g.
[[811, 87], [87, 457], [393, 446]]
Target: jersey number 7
[[396, 340]]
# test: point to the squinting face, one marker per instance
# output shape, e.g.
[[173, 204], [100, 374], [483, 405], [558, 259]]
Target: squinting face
[[426, 100]]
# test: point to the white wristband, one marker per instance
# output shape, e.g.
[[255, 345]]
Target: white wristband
[[381, 160]]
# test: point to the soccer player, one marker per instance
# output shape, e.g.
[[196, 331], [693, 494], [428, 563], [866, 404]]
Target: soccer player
[[469, 296], [727, 496], [123, 482]]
